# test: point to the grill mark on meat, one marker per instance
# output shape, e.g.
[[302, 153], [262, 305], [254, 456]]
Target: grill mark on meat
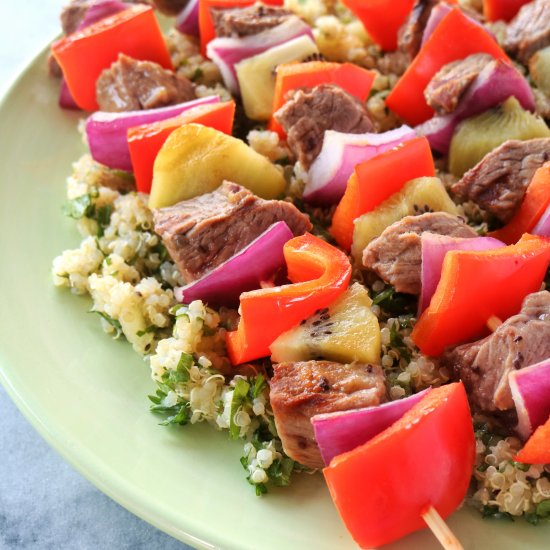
[[308, 112], [498, 182], [202, 233], [298, 391], [396, 255], [130, 85], [484, 366], [170, 7], [247, 21], [529, 31], [450, 83]]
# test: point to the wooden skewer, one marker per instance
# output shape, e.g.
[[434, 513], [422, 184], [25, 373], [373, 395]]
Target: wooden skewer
[[493, 323], [441, 530]]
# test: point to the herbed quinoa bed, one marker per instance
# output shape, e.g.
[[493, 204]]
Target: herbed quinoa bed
[[126, 269]]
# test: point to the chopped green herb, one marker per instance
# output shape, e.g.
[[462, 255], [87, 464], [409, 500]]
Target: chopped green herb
[[240, 395], [493, 512], [115, 323]]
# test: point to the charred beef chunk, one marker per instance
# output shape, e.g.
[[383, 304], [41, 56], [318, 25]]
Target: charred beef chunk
[[202, 233], [450, 83], [529, 31], [309, 112], [410, 34], [483, 366], [247, 21], [498, 182], [131, 85], [299, 391], [396, 255], [169, 7]]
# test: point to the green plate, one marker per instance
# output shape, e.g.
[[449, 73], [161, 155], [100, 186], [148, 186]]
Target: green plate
[[86, 394]]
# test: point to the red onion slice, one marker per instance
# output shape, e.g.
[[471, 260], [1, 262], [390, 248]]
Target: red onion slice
[[531, 393], [246, 270], [187, 22], [340, 154], [227, 52], [107, 132], [340, 432], [543, 225], [434, 248]]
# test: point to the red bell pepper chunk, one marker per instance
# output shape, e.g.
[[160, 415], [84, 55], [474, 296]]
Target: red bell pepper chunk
[[495, 10], [535, 203], [84, 54], [475, 286], [383, 487], [456, 37], [206, 24], [320, 273], [381, 18], [290, 76], [376, 180], [537, 448], [145, 141]]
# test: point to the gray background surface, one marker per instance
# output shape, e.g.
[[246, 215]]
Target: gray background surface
[[44, 503]]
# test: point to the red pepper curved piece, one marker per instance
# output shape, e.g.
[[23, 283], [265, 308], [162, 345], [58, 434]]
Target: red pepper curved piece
[[84, 54], [376, 180], [145, 141], [383, 487], [475, 286], [381, 18], [535, 203], [537, 448], [495, 10], [456, 37], [320, 273]]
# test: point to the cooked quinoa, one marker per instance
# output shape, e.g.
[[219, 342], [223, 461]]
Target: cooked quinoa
[[124, 268]]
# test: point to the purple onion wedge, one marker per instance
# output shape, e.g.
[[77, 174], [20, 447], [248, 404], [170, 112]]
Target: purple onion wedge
[[434, 248], [495, 83], [226, 52], [247, 270], [340, 432], [107, 132], [543, 225], [99, 9], [340, 154], [531, 393], [187, 22]]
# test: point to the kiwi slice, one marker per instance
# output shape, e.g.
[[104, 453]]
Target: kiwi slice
[[346, 331], [539, 69], [479, 135]]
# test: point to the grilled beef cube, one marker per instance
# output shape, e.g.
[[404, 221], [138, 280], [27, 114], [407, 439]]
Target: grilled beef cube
[[299, 391], [309, 112], [131, 85], [202, 233], [396, 255], [529, 31], [410, 34], [247, 21], [498, 182], [450, 83], [484, 366]]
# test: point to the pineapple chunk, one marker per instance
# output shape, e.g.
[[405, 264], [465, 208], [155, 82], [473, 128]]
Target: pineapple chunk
[[256, 74], [347, 331], [417, 195], [196, 159]]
